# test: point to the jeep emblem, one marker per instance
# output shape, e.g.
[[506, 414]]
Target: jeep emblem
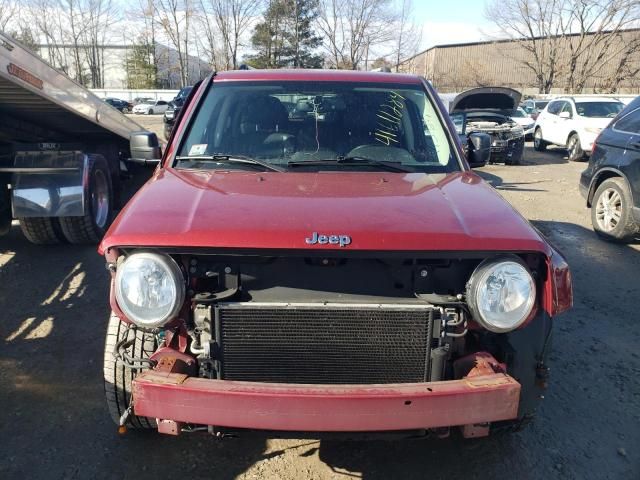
[[342, 240]]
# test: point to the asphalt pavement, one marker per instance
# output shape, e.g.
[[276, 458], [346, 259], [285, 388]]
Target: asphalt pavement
[[54, 423]]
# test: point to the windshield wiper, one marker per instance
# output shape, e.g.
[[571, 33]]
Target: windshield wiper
[[354, 161], [224, 158]]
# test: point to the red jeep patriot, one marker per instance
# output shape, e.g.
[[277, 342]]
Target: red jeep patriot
[[314, 254]]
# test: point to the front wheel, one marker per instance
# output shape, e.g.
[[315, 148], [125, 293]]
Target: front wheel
[[91, 227], [574, 149], [538, 143], [150, 111], [611, 211], [117, 377]]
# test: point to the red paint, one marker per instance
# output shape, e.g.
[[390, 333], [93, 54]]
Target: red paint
[[380, 211], [284, 75], [326, 408]]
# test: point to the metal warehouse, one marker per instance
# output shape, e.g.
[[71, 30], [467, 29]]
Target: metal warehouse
[[454, 68]]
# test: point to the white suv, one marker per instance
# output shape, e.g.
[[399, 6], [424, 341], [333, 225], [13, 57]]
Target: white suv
[[574, 123]]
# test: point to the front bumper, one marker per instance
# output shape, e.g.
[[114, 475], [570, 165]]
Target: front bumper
[[507, 151], [478, 398]]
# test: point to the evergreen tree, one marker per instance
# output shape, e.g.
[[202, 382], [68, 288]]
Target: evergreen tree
[[285, 37], [141, 71]]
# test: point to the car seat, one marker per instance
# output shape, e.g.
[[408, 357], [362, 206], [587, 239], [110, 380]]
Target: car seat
[[263, 128]]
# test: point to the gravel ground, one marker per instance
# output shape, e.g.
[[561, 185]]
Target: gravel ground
[[54, 423]]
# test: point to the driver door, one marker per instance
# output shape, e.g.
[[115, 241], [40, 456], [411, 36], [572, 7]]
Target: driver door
[[564, 125]]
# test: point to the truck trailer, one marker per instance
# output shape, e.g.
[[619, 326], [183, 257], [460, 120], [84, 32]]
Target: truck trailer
[[63, 152]]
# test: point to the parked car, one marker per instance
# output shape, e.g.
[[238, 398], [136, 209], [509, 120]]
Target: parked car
[[534, 106], [523, 119], [139, 100], [157, 106], [574, 123], [124, 107], [345, 271], [172, 112], [611, 182], [490, 110]]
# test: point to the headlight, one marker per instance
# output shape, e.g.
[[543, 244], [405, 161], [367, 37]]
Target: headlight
[[149, 288], [517, 132], [501, 294]]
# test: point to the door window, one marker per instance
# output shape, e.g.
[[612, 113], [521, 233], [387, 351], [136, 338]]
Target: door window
[[554, 107], [629, 123], [567, 108]]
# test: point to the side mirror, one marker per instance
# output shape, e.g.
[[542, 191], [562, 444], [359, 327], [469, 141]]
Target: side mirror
[[565, 115], [145, 148], [479, 149]]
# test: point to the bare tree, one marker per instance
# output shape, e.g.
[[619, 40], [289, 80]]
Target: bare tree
[[569, 42], [352, 27], [8, 10], [98, 18], [408, 34], [144, 13], [174, 16], [225, 23], [540, 25], [598, 25]]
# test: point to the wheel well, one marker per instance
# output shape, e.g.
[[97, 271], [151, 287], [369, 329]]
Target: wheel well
[[571, 133], [598, 181]]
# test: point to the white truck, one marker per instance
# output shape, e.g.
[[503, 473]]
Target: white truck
[[63, 152]]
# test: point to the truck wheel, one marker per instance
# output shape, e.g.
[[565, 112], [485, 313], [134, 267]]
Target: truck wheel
[[91, 227], [42, 230], [538, 143], [574, 149], [117, 377], [611, 211]]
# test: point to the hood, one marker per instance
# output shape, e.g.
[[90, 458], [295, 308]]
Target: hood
[[271, 210], [500, 99]]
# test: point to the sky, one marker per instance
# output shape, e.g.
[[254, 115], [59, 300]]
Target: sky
[[452, 21]]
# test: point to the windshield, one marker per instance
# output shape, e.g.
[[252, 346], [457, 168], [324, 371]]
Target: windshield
[[520, 113], [541, 105], [598, 109], [324, 123]]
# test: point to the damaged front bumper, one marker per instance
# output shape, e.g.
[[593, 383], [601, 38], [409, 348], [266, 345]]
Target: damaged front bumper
[[485, 394]]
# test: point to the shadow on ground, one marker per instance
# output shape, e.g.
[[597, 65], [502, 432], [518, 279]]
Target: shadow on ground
[[54, 423]]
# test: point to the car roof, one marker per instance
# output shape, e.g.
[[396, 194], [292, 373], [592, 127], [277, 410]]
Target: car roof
[[589, 99], [316, 75]]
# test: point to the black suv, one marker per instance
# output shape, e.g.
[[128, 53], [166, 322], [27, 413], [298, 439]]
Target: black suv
[[611, 182], [124, 107], [170, 115]]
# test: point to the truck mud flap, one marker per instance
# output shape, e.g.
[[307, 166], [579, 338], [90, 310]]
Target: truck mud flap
[[49, 186], [5, 209]]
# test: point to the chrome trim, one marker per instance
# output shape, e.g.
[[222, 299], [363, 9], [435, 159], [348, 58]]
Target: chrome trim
[[59, 195]]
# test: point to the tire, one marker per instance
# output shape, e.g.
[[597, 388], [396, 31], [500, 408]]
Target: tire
[[91, 227], [125, 110], [574, 149], [538, 143], [117, 378], [150, 111], [42, 230], [617, 225]]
